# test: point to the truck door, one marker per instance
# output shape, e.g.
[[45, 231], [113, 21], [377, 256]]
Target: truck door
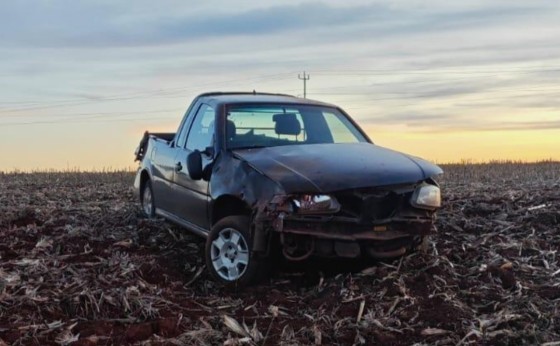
[[192, 195], [163, 166]]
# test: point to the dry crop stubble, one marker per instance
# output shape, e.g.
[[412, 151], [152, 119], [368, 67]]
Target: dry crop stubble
[[79, 265]]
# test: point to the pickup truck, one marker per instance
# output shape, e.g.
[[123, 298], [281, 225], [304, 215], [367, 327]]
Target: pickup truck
[[260, 174]]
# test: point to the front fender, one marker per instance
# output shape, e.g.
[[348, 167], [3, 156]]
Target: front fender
[[234, 177]]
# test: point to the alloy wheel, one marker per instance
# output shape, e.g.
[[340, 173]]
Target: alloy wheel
[[230, 254], [147, 201]]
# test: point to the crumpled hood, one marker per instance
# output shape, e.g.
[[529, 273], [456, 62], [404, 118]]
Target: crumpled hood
[[323, 168]]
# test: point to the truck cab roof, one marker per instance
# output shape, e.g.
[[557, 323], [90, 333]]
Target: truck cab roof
[[221, 98]]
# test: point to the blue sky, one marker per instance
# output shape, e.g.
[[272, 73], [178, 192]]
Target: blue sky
[[482, 75]]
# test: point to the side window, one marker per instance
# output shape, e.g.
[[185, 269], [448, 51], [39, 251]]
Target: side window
[[201, 134], [184, 127]]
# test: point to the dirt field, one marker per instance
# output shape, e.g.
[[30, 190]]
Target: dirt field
[[80, 266]]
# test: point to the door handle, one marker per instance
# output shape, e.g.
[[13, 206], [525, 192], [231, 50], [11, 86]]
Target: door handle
[[178, 167]]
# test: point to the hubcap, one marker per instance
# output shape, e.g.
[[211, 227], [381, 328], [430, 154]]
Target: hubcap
[[230, 254], [147, 201]]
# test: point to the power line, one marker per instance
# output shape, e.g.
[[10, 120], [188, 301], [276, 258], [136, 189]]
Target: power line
[[99, 117], [171, 92], [136, 95], [34, 105], [436, 70], [83, 120], [90, 115], [462, 97]]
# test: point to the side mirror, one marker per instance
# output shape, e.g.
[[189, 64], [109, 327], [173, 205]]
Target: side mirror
[[194, 165], [209, 151]]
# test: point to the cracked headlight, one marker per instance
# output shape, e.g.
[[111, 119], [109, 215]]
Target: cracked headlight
[[315, 204], [426, 197]]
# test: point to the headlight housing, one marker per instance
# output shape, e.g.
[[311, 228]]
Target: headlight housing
[[426, 197], [315, 204]]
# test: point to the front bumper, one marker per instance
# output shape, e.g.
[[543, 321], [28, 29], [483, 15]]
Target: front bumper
[[352, 231], [376, 222], [301, 238]]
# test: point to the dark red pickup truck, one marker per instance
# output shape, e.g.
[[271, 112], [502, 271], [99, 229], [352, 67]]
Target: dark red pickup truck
[[257, 173]]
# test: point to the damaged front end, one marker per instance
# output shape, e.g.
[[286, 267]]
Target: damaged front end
[[380, 222]]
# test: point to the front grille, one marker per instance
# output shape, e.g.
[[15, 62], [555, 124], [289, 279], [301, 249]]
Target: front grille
[[376, 208], [373, 204]]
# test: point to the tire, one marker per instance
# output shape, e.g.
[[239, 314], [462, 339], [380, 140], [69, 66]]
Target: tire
[[147, 200], [229, 259]]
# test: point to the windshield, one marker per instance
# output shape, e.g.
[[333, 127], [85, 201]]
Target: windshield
[[251, 126]]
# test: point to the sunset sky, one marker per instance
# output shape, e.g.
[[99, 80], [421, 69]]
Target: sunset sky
[[444, 80]]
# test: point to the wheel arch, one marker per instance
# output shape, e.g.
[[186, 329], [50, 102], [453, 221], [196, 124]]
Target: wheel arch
[[144, 178], [228, 205]]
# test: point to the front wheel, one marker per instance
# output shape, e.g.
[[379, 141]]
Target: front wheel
[[228, 254]]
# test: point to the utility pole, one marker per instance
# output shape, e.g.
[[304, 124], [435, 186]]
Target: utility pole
[[304, 79]]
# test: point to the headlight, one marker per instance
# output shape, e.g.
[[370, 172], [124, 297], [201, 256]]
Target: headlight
[[315, 204], [426, 197]]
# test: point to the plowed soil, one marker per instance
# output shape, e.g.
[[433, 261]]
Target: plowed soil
[[80, 265]]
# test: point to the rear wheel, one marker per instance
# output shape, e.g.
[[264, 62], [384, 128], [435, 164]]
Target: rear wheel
[[228, 254], [148, 203]]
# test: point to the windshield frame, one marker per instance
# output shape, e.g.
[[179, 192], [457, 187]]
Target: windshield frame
[[353, 127]]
